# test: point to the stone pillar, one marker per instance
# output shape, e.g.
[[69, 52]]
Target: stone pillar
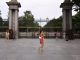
[[16, 24], [67, 17], [67, 20], [13, 16], [10, 18]]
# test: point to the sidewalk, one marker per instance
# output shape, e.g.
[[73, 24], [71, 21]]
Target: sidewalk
[[28, 49]]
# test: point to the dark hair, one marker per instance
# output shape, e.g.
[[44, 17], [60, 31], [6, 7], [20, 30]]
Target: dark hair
[[40, 32]]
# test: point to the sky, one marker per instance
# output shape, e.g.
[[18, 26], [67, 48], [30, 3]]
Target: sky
[[39, 8]]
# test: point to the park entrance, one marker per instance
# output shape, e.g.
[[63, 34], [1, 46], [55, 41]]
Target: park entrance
[[67, 20]]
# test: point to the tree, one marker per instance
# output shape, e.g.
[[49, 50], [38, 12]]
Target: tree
[[77, 4], [58, 22], [54, 23], [21, 21], [27, 20], [76, 21], [1, 20]]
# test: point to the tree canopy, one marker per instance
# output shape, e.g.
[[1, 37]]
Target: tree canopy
[[76, 21], [58, 22], [54, 22], [27, 20], [76, 4], [1, 20]]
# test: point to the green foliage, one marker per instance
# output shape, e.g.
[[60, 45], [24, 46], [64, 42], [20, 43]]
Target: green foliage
[[0, 13], [58, 22], [27, 20], [76, 4], [76, 21], [0, 22], [54, 23]]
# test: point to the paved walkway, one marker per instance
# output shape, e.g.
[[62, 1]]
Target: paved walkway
[[28, 49]]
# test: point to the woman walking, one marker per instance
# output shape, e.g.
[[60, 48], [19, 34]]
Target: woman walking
[[41, 38]]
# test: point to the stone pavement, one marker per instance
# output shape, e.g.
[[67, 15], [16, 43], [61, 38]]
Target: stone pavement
[[28, 49]]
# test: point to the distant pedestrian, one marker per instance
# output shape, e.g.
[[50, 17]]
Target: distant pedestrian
[[7, 34], [11, 33], [55, 34]]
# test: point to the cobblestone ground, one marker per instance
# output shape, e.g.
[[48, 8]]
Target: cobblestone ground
[[28, 49]]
